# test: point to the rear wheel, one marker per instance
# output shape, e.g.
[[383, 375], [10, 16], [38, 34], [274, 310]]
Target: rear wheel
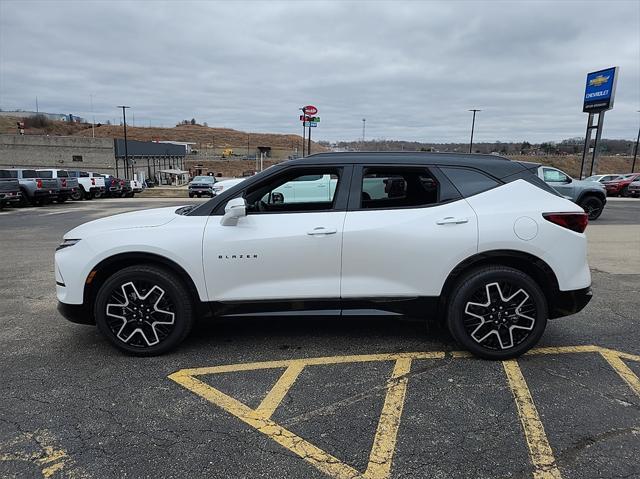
[[593, 206], [76, 195], [61, 199], [497, 312], [88, 195], [625, 191], [144, 310]]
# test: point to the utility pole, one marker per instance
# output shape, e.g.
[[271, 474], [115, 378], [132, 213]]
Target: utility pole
[[635, 152], [473, 124], [126, 148], [93, 117]]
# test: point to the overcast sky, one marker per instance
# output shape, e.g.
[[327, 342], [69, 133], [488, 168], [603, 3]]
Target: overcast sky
[[412, 69]]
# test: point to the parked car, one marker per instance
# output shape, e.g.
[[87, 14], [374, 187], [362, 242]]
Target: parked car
[[602, 178], [634, 189], [9, 189], [477, 241], [590, 195], [90, 187], [34, 189], [202, 186], [113, 186], [100, 183], [67, 185], [135, 186], [620, 186], [224, 185]]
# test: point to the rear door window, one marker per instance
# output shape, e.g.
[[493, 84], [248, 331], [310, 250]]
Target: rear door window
[[469, 182], [45, 174], [63, 174], [30, 174], [397, 187]]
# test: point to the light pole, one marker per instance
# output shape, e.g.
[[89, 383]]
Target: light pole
[[473, 124], [126, 150], [635, 152], [364, 123]]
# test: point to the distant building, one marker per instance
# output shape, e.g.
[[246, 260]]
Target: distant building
[[50, 116]]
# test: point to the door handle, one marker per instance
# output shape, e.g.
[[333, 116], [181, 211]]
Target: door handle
[[321, 230], [450, 220]]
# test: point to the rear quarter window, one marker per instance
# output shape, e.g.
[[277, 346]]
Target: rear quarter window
[[469, 182], [8, 174], [30, 174]]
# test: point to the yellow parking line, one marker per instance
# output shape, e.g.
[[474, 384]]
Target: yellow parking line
[[623, 370], [384, 443], [273, 399], [320, 459], [539, 449]]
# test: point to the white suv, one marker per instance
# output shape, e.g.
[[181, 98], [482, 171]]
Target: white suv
[[479, 242]]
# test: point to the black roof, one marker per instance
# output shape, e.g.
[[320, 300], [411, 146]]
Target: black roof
[[497, 166]]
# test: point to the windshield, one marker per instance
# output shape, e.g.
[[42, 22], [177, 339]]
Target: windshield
[[209, 179]]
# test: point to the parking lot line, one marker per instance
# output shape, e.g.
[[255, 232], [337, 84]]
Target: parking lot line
[[385, 439], [384, 442], [540, 450]]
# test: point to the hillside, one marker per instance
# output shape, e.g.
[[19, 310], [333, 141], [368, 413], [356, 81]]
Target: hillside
[[204, 137]]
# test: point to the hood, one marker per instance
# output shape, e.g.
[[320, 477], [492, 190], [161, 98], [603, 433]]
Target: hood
[[135, 219], [589, 184]]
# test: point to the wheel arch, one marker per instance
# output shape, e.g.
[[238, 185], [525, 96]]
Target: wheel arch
[[529, 264], [112, 264], [598, 194]]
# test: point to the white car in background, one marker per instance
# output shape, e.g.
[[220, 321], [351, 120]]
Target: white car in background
[[224, 185], [478, 242]]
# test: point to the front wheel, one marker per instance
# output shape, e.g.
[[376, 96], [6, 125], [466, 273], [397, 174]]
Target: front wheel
[[497, 312], [144, 310], [593, 206], [625, 192]]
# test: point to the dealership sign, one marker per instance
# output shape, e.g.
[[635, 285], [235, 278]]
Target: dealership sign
[[600, 90], [310, 110]]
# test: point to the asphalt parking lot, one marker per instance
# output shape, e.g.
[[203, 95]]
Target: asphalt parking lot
[[295, 397]]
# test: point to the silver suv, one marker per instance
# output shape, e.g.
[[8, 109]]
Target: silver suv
[[590, 195]]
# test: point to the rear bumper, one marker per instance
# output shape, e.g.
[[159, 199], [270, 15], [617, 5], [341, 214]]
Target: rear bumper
[[45, 193], [569, 302]]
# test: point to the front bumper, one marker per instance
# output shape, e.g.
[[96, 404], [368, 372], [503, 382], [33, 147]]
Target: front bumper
[[566, 303], [76, 313]]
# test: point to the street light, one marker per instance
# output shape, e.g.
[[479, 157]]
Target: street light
[[635, 152], [126, 151], [473, 124], [364, 122]]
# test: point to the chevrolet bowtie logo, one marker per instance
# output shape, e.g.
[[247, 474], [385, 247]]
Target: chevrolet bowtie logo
[[599, 80]]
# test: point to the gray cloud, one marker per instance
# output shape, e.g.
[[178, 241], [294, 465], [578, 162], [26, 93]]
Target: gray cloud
[[412, 68]]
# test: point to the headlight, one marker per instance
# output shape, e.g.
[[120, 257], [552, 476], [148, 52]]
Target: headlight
[[66, 243]]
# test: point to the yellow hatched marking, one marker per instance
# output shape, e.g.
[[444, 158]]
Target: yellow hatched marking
[[539, 449], [384, 443], [271, 402], [381, 455], [623, 370]]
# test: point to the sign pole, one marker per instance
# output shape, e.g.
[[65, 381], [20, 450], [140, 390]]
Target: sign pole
[[303, 131], [309, 140], [594, 156], [587, 142]]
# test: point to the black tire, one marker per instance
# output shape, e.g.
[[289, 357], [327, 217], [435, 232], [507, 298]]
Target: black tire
[[76, 195], [625, 192], [87, 196], [97, 195], [24, 199], [191, 195], [61, 199], [130, 325], [593, 206], [500, 329]]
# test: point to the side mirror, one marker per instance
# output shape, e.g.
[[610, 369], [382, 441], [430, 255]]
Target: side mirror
[[568, 180], [233, 211]]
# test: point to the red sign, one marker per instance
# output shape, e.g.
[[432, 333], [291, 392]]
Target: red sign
[[310, 110]]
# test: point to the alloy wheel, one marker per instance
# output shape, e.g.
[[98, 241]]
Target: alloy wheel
[[140, 314], [500, 315]]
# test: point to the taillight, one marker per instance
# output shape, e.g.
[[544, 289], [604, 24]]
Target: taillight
[[39, 183], [574, 221], [93, 181], [64, 182]]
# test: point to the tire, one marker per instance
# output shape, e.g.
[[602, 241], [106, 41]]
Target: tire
[[97, 195], [625, 192], [593, 206], [191, 195], [501, 335], [88, 196], [76, 195], [61, 199], [126, 329], [24, 199]]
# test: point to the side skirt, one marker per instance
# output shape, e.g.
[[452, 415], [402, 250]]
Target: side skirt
[[423, 306]]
